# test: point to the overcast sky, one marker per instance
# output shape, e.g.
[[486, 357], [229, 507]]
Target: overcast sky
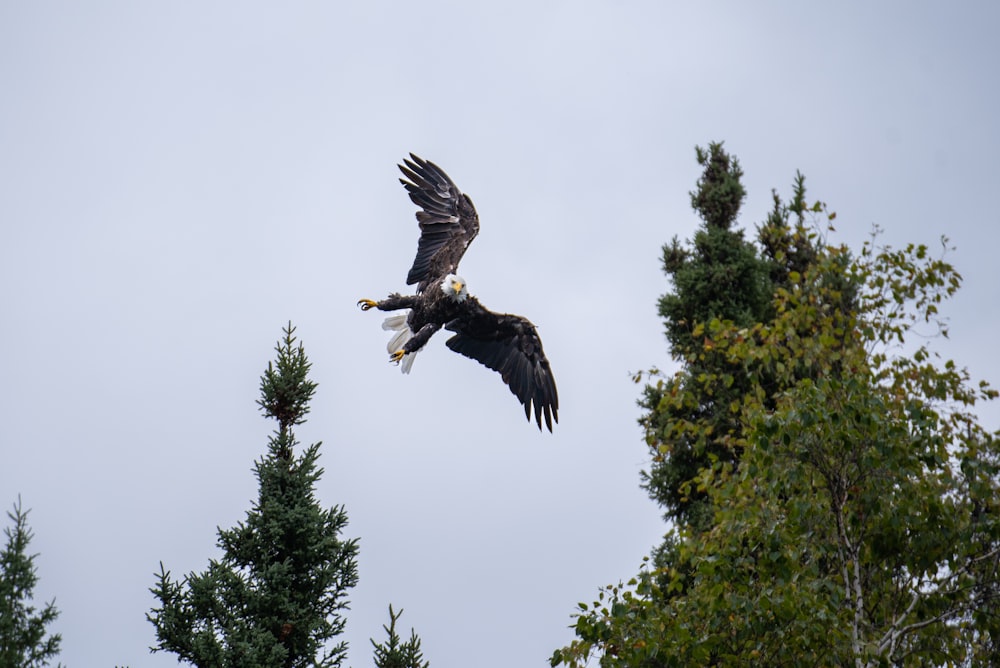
[[180, 179]]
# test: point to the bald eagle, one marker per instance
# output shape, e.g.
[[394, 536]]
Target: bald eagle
[[503, 342]]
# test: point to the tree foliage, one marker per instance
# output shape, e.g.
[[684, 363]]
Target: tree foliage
[[276, 596], [719, 276], [395, 653], [860, 522], [23, 628]]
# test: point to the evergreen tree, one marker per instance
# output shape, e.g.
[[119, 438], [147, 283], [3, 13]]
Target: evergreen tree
[[23, 641], [276, 596], [691, 423], [397, 654], [720, 277]]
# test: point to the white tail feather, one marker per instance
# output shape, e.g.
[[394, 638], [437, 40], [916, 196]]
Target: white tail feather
[[397, 323], [407, 362], [398, 340]]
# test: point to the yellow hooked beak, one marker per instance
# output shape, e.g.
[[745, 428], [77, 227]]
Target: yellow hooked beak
[[457, 287]]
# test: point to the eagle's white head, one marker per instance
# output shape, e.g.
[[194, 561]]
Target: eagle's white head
[[455, 287]]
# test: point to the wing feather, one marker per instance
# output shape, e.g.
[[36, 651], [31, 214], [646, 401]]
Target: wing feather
[[509, 344], [447, 219]]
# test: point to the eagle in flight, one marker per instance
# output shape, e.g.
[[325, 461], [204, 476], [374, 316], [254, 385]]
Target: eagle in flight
[[506, 343]]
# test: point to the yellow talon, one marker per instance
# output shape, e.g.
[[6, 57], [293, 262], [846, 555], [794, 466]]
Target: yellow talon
[[397, 356], [367, 304]]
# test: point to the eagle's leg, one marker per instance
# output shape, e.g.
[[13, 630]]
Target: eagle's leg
[[416, 342], [393, 302]]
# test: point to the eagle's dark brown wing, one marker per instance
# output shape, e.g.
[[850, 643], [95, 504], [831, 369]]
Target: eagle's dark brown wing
[[509, 345], [448, 221]]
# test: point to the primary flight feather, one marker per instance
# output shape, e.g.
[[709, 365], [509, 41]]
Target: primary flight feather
[[506, 343]]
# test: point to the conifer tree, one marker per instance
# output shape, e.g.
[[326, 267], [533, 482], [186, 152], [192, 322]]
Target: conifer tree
[[396, 654], [23, 640], [276, 596], [720, 276]]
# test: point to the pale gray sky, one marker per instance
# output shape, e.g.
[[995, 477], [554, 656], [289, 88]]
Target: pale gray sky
[[178, 180]]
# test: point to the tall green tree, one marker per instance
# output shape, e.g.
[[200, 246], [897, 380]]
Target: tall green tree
[[276, 596], [690, 423], [24, 639], [719, 275], [862, 523]]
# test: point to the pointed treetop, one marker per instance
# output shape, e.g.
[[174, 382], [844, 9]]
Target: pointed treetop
[[276, 597], [720, 192], [284, 388], [24, 640], [397, 654]]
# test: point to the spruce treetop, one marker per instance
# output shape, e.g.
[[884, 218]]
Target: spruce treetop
[[23, 640], [277, 595], [395, 653], [285, 388], [720, 193]]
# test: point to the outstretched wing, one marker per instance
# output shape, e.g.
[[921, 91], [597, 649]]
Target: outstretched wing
[[510, 345], [448, 221]]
